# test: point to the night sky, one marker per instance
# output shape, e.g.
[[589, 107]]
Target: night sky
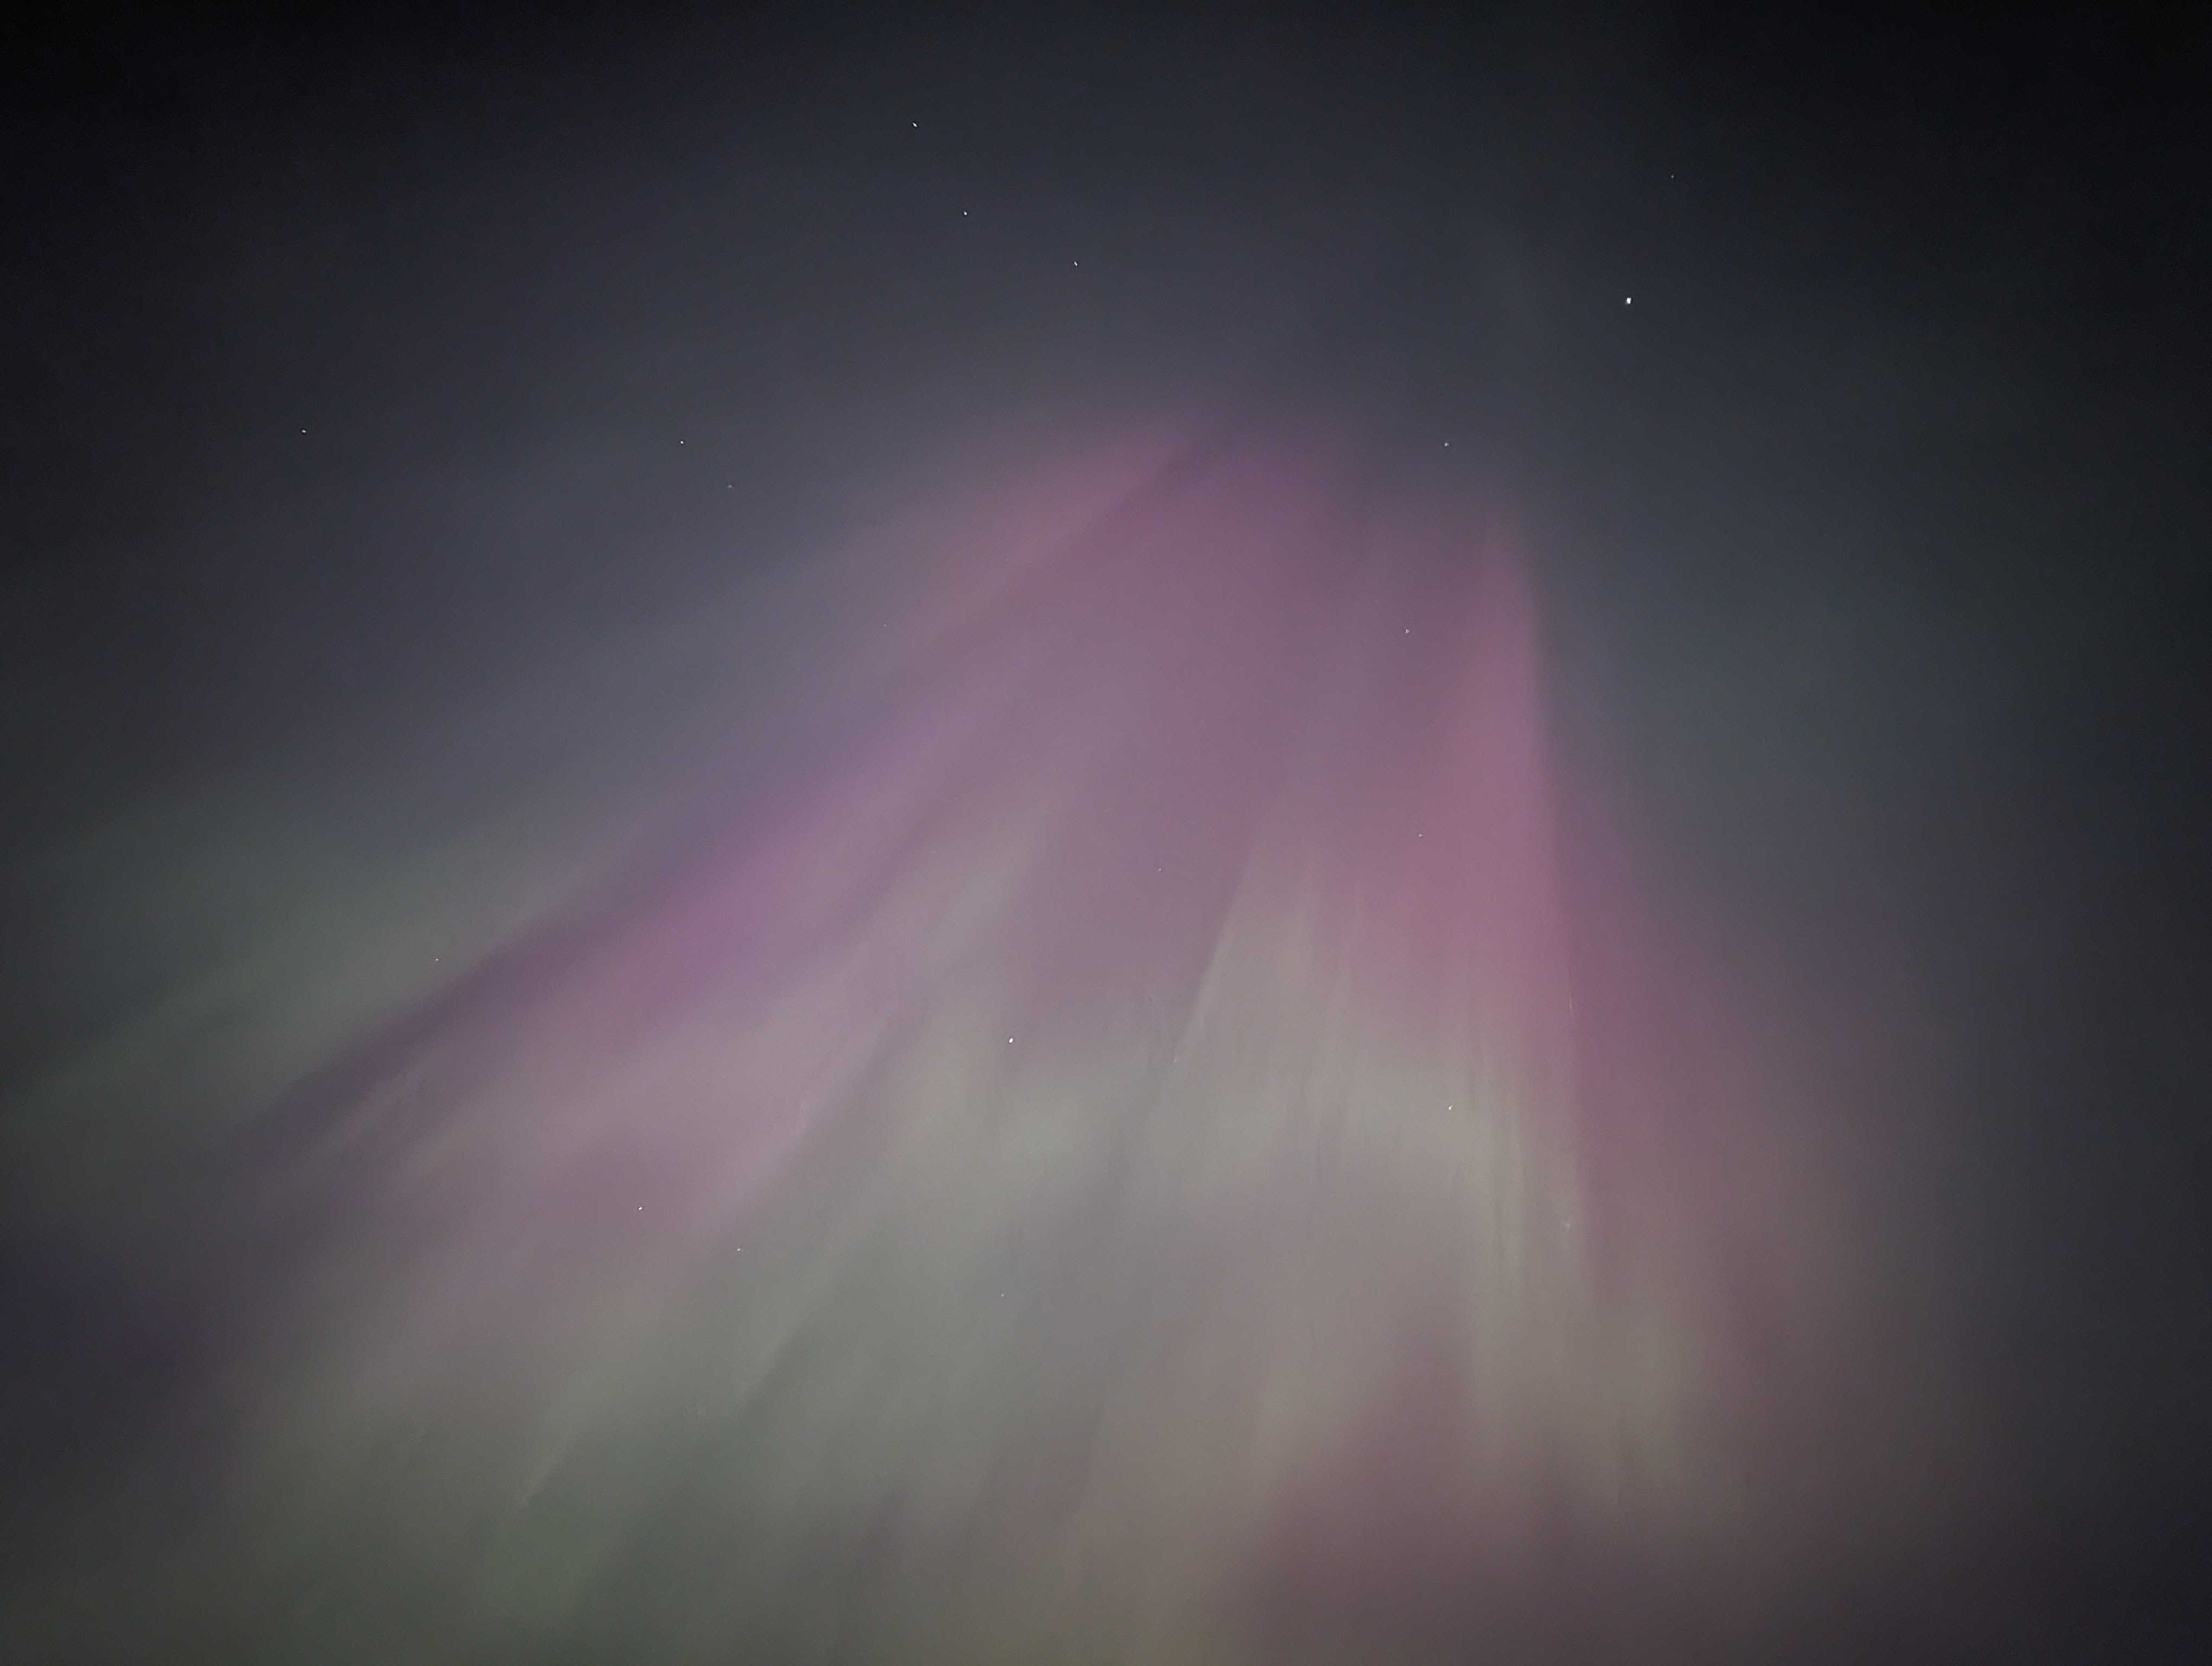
[[571, 579]]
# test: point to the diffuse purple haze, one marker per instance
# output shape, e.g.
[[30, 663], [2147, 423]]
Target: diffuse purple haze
[[1147, 1136]]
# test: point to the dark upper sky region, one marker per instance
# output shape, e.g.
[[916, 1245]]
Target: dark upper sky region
[[266, 273], [1846, 377]]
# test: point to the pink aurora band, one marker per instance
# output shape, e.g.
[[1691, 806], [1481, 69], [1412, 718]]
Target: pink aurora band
[[1162, 1087]]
